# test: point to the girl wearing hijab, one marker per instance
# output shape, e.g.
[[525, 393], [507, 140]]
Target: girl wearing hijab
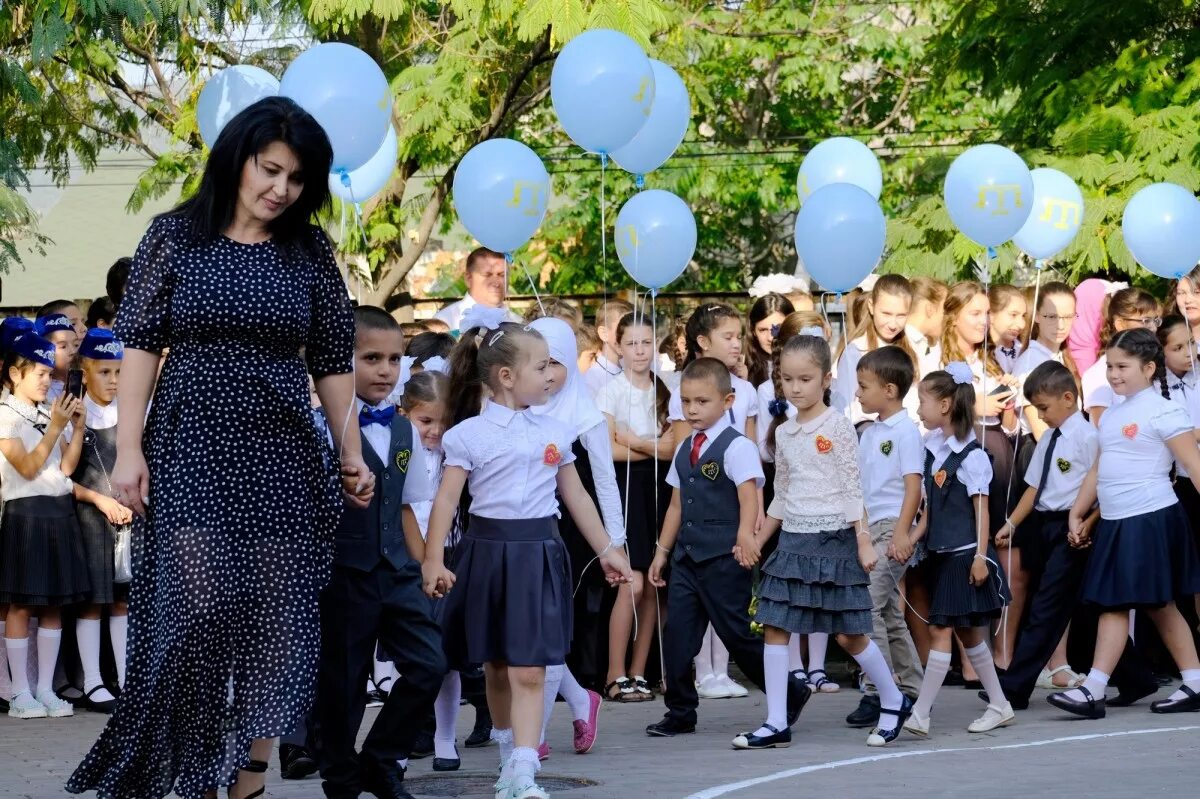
[[572, 403]]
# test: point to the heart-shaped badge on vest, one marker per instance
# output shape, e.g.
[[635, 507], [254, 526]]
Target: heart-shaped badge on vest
[[551, 457], [711, 470], [1130, 430], [939, 477], [402, 460], [824, 445], [886, 448], [1064, 465]]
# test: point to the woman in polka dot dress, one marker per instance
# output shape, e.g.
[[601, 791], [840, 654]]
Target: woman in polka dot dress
[[237, 505]]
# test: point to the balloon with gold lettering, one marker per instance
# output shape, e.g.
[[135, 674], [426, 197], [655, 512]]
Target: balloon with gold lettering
[[839, 160], [602, 89], [1161, 226], [656, 237], [1055, 216], [989, 194], [501, 190]]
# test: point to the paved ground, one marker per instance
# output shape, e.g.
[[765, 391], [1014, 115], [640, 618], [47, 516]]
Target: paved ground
[[1131, 753]]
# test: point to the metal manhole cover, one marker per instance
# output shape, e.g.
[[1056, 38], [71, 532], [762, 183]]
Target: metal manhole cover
[[481, 784]]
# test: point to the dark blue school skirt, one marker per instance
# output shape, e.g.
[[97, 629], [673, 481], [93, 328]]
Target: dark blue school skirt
[[1142, 561], [511, 600]]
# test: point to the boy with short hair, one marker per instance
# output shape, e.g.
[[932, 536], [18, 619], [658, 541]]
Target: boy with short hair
[[608, 363], [891, 457], [709, 535]]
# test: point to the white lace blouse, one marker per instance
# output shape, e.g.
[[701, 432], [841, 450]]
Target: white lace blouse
[[817, 484]]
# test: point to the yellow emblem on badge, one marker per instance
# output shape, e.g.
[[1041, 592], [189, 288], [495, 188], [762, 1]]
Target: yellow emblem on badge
[[402, 460], [710, 470]]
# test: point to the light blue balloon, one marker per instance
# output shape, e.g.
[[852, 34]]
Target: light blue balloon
[[602, 88], [656, 237], [1055, 216], [348, 94], [989, 194], [839, 160], [840, 233], [664, 129], [1161, 226], [501, 190], [227, 94], [370, 178]]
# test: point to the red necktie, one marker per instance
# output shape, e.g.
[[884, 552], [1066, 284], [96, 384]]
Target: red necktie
[[697, 442]]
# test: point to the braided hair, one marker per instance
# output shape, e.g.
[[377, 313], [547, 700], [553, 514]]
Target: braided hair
[[1143, 346]]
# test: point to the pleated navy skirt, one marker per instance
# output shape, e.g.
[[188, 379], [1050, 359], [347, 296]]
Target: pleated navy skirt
[[1142, 561], [511, 600], [42, 560], [954, 602]]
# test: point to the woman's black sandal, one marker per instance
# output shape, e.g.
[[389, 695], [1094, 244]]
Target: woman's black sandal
[[253, 767]]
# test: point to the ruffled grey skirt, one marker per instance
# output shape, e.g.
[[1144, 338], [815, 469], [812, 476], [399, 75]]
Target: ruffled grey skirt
[[813, 583]]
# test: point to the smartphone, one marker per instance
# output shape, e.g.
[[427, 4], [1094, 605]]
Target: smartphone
[[75, 383], [1002, 389]]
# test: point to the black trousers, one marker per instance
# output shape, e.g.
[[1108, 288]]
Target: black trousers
[[1056, 572], [358, 609], [716, 591]]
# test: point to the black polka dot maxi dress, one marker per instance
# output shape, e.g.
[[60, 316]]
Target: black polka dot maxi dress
[[223, 632]]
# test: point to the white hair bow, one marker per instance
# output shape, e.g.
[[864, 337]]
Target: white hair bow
[[482, 316], [961, 372], [1111, 287], [436, 363], [812, 330], [777, 283]]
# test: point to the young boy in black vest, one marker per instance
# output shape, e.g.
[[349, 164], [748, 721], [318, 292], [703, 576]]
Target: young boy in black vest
[[375, 591], [709, 535]]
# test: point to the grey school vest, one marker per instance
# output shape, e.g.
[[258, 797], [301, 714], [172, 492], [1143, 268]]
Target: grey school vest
[[951, 517], [708, 502]]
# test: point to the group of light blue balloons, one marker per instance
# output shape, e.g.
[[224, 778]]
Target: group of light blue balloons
[[344, 90]]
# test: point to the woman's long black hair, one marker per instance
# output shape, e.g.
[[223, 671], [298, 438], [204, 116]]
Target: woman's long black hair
[[211, 210]]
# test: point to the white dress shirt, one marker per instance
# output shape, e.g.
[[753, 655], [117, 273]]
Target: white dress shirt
[[741, 457], [889, 450], [1007, 361], [745, 404], [601, 375], [636, 408], [452, 314], [17, 419], [100, 417], [417, 487], [817, 483], [975, 472], [1074, 454], [1034, 356], [433, 473], [512, 458], [1183, 391], [1135, 463]]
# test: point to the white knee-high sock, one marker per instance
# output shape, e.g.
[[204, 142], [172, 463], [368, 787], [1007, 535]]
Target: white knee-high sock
[[818, 643], [935, 674], [576, 696], [18, 654], [87, 634], [795, 659], [504, 740], [48, 642], [775, 677], [720, 655], [6, 691], [981, 658], [703, 661], [445, 713], [874, 664], [118, 631], [554, 677]]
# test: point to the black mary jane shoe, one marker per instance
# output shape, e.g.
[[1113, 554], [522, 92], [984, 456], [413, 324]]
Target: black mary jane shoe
[[867, 712], [669, 728], [106, 706], [295, 762], [1090, 708], [1189, 704], [799, 692], [1127, 696], [481, 735], [778, 739], [447, 763], [880, 737], [252, 767]]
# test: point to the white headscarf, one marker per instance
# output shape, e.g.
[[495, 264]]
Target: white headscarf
[[573, 404]]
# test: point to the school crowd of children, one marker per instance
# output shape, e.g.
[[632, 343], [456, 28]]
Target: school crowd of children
[[990, 483]]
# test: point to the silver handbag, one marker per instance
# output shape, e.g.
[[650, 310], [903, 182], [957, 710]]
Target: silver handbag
[[122, 557]]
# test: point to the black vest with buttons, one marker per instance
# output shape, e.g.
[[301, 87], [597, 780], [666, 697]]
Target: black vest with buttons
[[367, 536], [708, 501], [951, 516]]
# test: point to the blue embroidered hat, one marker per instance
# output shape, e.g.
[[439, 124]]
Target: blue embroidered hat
[[35, 348], [102, 345], [11, 327], [52, 323]]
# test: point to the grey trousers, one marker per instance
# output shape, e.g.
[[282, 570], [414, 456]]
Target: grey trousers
[[890, 631]]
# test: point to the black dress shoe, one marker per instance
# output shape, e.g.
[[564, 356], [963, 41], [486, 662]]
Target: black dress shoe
[[1189, 704], [867, 712], [447, 763], [106, 706], [1017, 704], [1090, 708], [482, 734], [295, 762], [1127, 696], [799, 693], [669, 728], [778, 739], [880, 737], [422, 747], [385, 781]]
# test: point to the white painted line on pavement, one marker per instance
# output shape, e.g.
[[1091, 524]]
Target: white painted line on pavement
[[731, 787]]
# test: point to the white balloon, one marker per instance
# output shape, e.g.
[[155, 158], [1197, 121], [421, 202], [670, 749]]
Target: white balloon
[[227, 94]]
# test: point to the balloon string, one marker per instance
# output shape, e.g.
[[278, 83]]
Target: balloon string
[[603, 228], [508, 261], [654, 369], [345, 177]]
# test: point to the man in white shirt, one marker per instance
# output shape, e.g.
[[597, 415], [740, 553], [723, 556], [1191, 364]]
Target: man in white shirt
[[486, 285]]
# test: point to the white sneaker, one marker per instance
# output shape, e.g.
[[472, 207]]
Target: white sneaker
[[917, 725], [711, 687], [56, 708], [24, 706], [526, 788], [995, 716], [736, 690], [503, 788]]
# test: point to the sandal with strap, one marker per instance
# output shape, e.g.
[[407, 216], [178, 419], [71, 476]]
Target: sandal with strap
[[642, 689], [880, 737], [625, 691], [821, 683], [253, 767], [1046, 679]]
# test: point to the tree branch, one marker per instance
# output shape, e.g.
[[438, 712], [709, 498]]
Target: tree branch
[[132, 141]]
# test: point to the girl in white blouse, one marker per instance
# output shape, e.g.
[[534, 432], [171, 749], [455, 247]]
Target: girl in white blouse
[[1142, 555], [511, 606], [884, 323], [42, 565], [816, 580]]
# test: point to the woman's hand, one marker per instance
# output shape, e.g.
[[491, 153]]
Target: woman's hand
[[131, 480], [358, 482], [979, 571], [116, 513]]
